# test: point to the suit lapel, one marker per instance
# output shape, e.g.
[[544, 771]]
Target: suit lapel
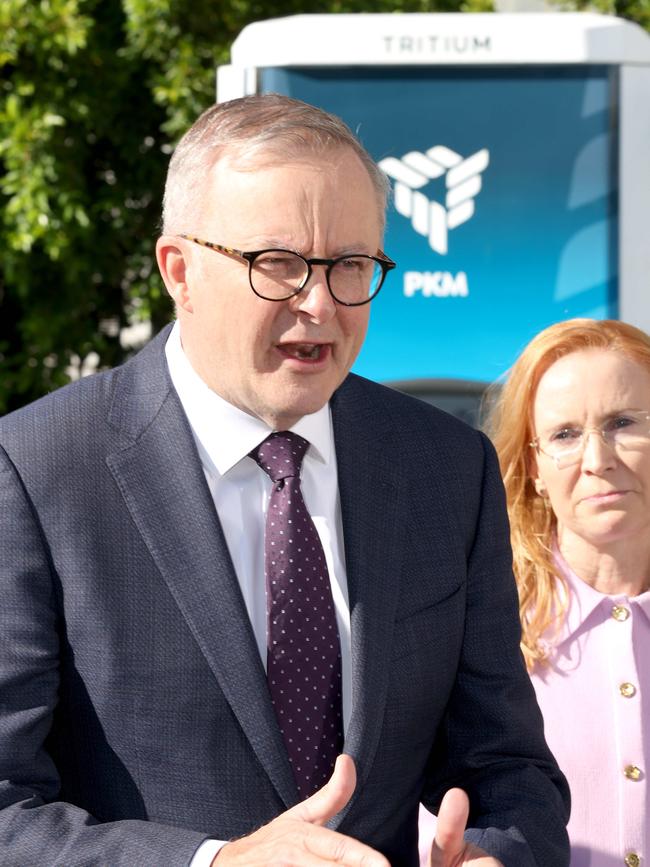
[[368, 470], [159, 474], [160, 477]]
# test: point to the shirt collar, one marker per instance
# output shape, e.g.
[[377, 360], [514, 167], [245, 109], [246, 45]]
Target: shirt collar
[[224, 433], [585, 599]]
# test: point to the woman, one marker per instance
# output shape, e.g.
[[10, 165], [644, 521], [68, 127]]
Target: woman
[[572, 429]]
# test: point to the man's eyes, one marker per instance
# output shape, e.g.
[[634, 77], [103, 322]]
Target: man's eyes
[[351, 263]]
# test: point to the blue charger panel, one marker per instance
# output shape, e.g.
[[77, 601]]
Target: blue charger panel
[[503, 214]]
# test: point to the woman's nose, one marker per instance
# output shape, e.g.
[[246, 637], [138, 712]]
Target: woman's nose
[[597, 452]]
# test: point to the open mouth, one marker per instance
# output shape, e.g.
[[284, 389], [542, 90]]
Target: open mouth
[[304, 351]]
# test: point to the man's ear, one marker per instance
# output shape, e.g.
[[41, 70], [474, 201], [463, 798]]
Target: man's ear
[[173, 267]]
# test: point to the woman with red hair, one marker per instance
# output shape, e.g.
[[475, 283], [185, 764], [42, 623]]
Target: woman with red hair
[[572, 429]]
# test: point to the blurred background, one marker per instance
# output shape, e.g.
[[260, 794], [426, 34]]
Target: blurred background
[[95, 93]]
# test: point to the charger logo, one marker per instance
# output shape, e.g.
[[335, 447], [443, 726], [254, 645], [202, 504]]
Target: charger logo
[[462, 185]]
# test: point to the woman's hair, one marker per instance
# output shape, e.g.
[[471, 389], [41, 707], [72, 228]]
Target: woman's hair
[[271, 128], [542, 597]]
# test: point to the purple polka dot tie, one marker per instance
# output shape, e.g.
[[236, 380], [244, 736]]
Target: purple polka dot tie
[[303, 649]]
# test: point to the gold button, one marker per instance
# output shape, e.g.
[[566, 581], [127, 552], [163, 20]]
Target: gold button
[[627, 690], [632, 772], [632, 859], [620, 613]]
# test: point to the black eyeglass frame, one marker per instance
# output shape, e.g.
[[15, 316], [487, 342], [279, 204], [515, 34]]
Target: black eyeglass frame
[[381, 259]]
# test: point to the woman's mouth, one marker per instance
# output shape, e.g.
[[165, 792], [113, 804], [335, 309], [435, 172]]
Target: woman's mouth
[[606, 497]]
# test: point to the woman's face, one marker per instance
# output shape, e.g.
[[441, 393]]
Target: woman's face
[[605, 496]]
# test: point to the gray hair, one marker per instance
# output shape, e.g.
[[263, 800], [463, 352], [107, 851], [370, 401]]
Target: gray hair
[[275, 127]]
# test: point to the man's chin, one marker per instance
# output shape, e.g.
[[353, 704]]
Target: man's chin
[[284, 417]]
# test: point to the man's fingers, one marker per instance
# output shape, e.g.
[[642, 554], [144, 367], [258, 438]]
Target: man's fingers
[[301, 844], [334, 795], [287, 840], [321, 844], [452, 821], [330, 846], [296, 836]]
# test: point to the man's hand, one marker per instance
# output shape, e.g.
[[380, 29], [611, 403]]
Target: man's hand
[[449, 849], [298, 837]]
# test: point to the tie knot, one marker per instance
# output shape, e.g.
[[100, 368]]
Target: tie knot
[[280, 454]]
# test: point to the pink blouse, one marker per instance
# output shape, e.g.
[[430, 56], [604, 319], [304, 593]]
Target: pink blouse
[[595, 698]]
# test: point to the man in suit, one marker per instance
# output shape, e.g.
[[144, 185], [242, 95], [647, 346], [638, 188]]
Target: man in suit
[[143, 702]]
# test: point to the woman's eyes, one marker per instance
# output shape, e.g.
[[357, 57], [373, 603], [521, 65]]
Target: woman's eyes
[[620, 422], [566, 433]]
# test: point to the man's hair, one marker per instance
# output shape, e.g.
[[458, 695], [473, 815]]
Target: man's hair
[[271, 128], [542, 597]]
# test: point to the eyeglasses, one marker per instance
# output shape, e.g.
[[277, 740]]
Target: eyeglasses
[[277, 275], [624, 431]]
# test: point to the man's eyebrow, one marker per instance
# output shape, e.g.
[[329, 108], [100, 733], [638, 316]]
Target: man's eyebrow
[[267, 242], [353, 249], [273, 243]]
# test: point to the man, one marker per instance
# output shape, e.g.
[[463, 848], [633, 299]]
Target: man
[[149, 678]]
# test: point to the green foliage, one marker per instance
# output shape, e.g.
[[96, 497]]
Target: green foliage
[[93, 95], [633, 10]]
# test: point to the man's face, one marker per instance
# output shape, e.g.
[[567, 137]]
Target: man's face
[[276, 360]]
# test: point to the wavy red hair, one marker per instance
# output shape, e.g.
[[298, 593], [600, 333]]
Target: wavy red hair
[[509, 423]]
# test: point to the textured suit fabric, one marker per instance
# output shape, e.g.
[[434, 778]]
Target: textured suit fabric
[[135, 719]]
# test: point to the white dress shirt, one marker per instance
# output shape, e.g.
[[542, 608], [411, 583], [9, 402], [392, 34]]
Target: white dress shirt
[[224, 436]]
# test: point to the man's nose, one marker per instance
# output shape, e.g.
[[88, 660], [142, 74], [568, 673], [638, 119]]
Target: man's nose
[[316, 299]]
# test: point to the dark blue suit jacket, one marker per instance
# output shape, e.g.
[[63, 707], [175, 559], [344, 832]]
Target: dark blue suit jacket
[[135, 719]]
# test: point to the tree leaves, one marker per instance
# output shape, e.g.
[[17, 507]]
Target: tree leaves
[[93, 96]]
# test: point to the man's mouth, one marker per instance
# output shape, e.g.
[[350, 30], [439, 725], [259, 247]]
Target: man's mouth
[[304, 351]]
